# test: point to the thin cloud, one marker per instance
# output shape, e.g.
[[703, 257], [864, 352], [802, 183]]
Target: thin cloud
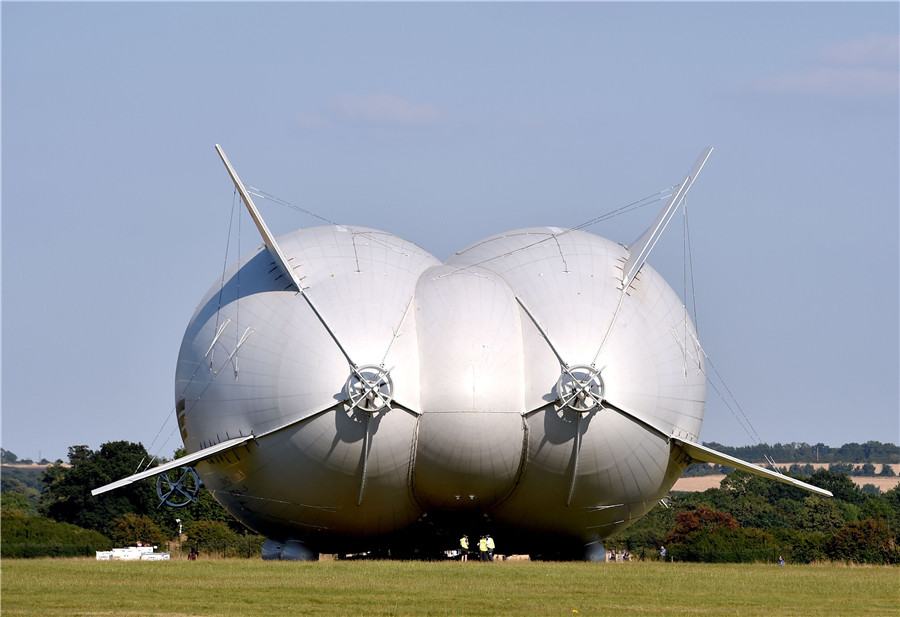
[[879, 50], [386, 109], [844, 82], [863, 69]]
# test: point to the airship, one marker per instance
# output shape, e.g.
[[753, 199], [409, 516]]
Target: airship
[[341, 390]]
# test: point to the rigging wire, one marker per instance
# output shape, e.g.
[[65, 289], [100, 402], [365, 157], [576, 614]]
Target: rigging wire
[[743, 419], [690, 256], [688, 275], [234, 198], [168, 417], [748, 428], [237, 301], [627, 208], [635, 205], [263, 194], [155, 457]]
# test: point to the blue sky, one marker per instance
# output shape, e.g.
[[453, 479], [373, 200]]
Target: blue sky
[[445, 124]]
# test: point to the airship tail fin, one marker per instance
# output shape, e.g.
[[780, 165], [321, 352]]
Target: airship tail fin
[[641, 247], [184, 461], [703, 454], [277, 255]]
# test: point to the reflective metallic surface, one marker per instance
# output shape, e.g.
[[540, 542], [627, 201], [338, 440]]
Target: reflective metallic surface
[[340, 390], [515, 382]]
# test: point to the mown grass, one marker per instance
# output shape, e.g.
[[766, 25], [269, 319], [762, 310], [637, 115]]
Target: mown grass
[[73, 587]]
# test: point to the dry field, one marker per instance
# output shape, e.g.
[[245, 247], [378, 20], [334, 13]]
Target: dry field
[[701, 483]]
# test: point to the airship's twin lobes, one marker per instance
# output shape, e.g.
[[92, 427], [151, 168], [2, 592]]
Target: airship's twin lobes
[[341, 389], [520, 379]]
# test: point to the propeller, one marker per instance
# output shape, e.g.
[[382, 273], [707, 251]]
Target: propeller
[[369, 389], [579, 389], [178, 487]]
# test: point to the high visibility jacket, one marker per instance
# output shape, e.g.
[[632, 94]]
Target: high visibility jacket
[[464, 542], [490, 544], [482, 545]]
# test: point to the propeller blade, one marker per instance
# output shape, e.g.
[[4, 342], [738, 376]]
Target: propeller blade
[[366, 447], [576, 453]]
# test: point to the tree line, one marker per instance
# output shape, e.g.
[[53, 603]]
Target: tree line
[[868, 470], [64, 504], [787, 453], [746, 518], [749, 518]]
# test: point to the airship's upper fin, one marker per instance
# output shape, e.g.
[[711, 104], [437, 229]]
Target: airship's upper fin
[[277, 255], [184, 461], [641, 247], [702, 454]]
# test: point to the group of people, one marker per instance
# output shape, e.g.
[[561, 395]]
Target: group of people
[[485, 548]]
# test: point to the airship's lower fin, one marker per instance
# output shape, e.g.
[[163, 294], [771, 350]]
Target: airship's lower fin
[[184, 461], [702, 454], [641, 247], [277, 255]]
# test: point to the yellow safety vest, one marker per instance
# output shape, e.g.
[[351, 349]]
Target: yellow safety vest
[[482, 545]]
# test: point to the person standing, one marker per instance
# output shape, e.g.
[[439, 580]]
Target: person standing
[[482, 549], [464, 548], [490, 547]]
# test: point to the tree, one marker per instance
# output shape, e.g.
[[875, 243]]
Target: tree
[[870, 489], [130, 529], [16, 503], [646, 536], [802, 547], [866, 541], [209, 534], [754, 511], [689, 523], [839, 484], [67, 496], [36, 536], [14, 490], [740, 483], [820, 514], [214, 537]]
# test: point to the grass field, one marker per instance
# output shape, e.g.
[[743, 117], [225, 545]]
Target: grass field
[[72, 587]]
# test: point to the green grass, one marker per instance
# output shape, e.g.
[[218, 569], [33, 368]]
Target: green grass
[[72, 587]]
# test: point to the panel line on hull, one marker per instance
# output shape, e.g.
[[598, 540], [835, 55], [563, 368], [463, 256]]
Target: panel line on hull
[[605, 524]]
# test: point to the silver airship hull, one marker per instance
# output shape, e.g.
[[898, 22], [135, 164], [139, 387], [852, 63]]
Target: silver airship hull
[[340, 389], [475, 350]]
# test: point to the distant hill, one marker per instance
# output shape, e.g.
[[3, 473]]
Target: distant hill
[[9, 457], [29, 475]]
